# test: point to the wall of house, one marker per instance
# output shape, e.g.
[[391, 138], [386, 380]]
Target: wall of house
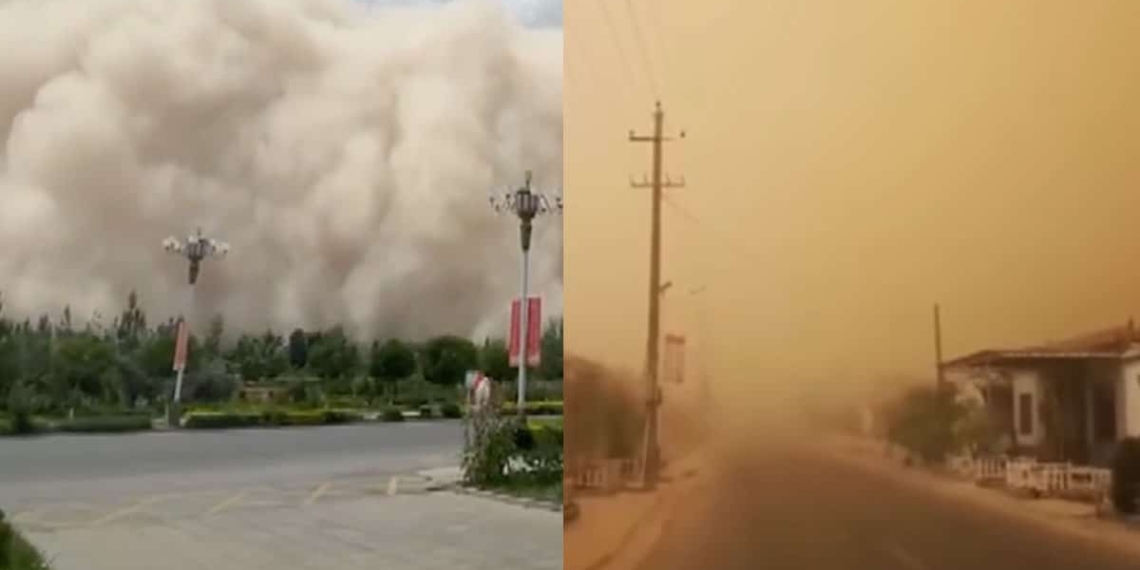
[[1128, 399], [1028, 382]]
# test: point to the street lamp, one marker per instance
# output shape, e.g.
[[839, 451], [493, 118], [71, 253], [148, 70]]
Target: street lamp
[[195, 248], [526, 205]]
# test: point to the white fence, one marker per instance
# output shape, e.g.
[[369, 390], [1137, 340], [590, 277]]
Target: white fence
[[604, 475], [1039, 478]]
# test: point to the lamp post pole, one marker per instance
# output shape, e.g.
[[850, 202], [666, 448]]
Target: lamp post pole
[[194, 248], [526, 204]]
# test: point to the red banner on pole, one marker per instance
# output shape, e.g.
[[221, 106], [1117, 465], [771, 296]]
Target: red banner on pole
[[181, 346], [533, 332]]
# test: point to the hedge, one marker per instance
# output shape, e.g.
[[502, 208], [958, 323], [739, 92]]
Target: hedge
[[105, 424], [199, 419], [547, 408], [451, 410]]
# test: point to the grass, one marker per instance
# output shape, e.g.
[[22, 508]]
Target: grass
[[544, 422], [21, 555]]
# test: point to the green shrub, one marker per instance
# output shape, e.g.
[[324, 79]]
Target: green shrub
[[487, 454], [392, 415], [336, 417], [1126, 475], [426, 412], [534, 408], [451, 410], [21, 423], [222, 420], [15, 552], [306, 418], [274, 417], [6, 537], [525, 439], [106, 424]]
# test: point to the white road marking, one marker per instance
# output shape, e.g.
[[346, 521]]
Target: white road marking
[[135, 508], [320, 490], [906, 559], [227, 503]]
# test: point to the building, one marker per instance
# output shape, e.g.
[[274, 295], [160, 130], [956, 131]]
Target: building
[[1062, 401]]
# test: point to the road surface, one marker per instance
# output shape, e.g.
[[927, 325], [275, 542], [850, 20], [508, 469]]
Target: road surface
[[79, 467], [791, 509], [346, 497]]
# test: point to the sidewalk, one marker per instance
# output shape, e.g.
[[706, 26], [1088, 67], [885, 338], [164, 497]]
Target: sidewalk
[[614, 532], [1072, 518]]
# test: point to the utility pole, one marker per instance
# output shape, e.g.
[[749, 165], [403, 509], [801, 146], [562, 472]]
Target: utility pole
[[941, 380], [652, 457]]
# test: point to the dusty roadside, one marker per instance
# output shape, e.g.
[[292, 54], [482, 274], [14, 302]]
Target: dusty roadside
[[1071, 518]]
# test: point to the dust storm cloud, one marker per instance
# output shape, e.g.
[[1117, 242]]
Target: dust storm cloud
[[346, 152]]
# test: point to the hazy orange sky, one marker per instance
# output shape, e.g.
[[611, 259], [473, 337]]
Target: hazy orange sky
[[850, 163]]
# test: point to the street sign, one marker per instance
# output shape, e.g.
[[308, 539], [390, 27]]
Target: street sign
[[533, 332], [181, 346], [674, 369]]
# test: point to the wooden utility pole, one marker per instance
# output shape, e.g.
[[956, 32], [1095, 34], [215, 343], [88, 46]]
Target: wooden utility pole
[[652, 457], [941, 380]]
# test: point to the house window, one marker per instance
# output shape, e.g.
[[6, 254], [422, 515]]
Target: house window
[[1025, 414]]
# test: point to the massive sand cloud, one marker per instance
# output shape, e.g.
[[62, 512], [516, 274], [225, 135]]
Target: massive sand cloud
[[345, 152]]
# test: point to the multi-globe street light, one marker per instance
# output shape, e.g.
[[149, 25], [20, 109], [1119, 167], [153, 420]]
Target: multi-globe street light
[[526, 204], [194, 248]]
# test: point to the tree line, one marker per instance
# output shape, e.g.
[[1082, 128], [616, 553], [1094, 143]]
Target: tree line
[[54, 365]]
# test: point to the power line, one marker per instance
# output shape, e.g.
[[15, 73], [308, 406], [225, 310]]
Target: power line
[[572, 47], [644, 52], [608, 17], [732, 245]]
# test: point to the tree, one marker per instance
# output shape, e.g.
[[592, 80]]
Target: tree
[[333, 356], [259, 358], [82, 363], [924, 422], [495, 360], [298, 349], [213, 343], [391, 362], [551, 366], [446, 359]]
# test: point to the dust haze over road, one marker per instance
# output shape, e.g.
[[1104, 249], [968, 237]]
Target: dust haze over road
[[345, 151]]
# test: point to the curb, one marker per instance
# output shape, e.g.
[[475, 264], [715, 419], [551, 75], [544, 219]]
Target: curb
[[507, 498]]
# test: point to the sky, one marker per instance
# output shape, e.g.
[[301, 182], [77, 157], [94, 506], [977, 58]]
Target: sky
[[848, 164], [346, 154], [531, 13]]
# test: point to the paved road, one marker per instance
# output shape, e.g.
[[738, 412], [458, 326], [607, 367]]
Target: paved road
[[309, 498], [80, 467], [796, 510]]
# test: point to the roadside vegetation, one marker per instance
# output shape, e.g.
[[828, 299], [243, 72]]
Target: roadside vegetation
[[523, 459], [15, 552], [931, 424], [58, 375]]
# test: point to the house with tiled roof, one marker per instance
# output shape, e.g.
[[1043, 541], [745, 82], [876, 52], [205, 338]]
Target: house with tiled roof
[[1068, 400]]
